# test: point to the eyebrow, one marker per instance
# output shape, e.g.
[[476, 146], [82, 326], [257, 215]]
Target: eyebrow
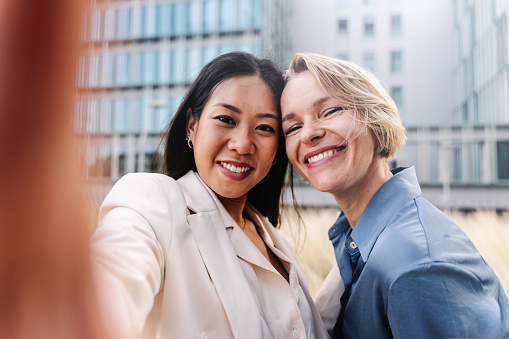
[[238, 111], [315, 103]]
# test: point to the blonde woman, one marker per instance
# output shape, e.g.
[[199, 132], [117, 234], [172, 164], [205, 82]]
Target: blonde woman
[[408, 271]]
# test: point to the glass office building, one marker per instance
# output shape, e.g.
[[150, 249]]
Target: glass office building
[[140, 56]]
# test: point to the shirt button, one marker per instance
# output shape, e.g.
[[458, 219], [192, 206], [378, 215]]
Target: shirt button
[[295, 333], [353, 245]]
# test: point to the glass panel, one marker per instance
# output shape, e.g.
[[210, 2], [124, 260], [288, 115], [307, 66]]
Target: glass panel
[[178, 66], [396, 61], [105, 121], [164, 67], [193, 65], [342, 3], [165, 20], [369, 26], [179, 18], [503, 160], [246, 21], [343, 26], [121, 116], [477, 158], [397, 96], [369, 60], [209, 53], [211, 16], [457, 162], [195, 17], [149, 21], [257, 14], [227, 19], [434, 153], [396, 25]]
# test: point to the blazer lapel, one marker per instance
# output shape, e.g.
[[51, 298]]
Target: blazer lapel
[[208, 227]]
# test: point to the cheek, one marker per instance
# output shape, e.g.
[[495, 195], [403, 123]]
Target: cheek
[[291, 150]]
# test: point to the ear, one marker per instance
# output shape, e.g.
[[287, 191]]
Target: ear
[[190, 122]]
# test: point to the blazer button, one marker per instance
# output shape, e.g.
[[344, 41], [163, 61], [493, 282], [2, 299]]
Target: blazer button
[[295, 333]]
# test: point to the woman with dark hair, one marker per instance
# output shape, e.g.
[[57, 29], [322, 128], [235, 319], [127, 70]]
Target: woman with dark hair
[[193, 253]]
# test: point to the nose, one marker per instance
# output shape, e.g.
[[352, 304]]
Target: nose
[[242, 142], [311, 132]]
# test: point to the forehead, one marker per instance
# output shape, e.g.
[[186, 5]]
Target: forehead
[[303, 91], [240, 85]]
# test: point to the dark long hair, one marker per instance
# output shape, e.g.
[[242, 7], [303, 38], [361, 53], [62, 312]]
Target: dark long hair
[[179, 158]]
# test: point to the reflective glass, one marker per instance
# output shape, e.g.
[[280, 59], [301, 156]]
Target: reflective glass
[[227, 18], [179, 18], [194, 17], [246, 21], [211, 16]]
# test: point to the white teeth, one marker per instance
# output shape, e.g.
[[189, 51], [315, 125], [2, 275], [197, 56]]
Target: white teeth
[[321, 156], [234, 168]]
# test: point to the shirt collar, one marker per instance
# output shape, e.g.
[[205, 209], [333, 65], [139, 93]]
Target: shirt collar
[[399, 190]]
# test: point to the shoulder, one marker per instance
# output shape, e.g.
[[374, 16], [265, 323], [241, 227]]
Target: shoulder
[[142, 192]]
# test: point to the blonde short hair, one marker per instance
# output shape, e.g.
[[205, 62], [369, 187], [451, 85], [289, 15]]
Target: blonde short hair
[[361, 92]]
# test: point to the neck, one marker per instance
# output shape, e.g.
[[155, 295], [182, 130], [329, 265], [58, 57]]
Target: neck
[[235, 207], [354, 201]]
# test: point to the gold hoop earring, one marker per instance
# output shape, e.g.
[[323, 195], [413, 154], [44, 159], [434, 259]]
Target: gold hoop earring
[[274, 162], [189, 143]]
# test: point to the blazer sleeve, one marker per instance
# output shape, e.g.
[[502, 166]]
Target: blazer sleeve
[[126, 255]]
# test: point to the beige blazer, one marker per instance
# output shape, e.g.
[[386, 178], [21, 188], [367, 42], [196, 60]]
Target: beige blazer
[[164, 272]]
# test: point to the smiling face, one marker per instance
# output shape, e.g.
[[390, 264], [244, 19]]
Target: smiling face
[[236, 138], [330, 149]]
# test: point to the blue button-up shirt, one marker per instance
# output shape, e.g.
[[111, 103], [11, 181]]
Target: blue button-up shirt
[[410, 272]]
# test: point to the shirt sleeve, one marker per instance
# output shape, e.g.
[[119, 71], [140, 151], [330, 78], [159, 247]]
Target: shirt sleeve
[[126, 257], [441, 300]]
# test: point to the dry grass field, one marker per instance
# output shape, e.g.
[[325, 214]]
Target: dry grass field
[[487, 230]]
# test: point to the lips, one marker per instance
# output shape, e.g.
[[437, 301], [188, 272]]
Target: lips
[[322, 153], [235, 170]]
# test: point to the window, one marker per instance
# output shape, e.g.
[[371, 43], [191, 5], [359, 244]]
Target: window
[[164, 20], [396, 62], [343, 26], [503, 160], [149, 21], [179, 16], [397, 96], [195, 17], [457, 162], [227, 18], [124, 23], [396, 25], [369, 60], [342, 3], [211, 17], [369, 26], [246, 21], [193, 64]]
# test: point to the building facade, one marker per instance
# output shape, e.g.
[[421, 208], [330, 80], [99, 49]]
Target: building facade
[[405, 43], [139, 58]]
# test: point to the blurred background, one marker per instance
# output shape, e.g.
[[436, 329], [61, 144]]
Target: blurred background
[[444, 62]]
